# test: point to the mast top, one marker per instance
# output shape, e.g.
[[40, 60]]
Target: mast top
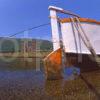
[[60, 10], [55, 8]]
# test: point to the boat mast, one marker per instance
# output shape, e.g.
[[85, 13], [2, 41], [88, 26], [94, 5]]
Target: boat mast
[[55, 29], [54, 24]]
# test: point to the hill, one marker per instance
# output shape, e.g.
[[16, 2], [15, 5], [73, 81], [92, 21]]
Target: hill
[[21, 45]]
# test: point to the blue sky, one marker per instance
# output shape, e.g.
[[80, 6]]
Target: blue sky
[[17, 15]]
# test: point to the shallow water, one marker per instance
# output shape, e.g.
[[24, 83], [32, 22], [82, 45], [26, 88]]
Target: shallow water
[[19, 80], [31, 85], [21, 63]]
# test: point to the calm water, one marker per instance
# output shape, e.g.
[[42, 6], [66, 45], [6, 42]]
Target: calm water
[[25, 83]]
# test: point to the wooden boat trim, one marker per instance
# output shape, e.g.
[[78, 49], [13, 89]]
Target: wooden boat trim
[[50, 54], [64, 20]]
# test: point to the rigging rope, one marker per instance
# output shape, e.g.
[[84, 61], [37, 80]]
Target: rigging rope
[[86, 40], [42, 25], [76, 45]]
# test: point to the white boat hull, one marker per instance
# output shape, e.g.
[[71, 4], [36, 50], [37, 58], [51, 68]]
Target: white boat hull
[[72, 41]]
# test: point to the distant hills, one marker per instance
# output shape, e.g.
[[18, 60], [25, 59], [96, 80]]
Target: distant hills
[[21, 45]]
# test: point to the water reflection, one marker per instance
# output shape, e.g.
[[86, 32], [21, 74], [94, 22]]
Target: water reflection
[[32, 84], [75, 89], [65, 87], [22, 64], [71, 73], [71, 87]]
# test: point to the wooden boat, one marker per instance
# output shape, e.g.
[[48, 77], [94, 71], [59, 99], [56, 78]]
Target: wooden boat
[[81, 42], [76, 51]]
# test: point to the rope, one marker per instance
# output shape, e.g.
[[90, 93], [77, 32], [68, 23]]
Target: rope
[[76, 45], [42, 25], [79, 41], [97, 58], [86, 42]]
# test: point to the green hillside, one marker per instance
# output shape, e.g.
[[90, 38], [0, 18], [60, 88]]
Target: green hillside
[[17, 45]]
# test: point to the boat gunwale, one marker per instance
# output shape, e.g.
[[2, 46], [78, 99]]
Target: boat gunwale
[[88, 20]]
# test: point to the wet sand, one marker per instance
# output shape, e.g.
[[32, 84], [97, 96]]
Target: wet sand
[[31, 85]]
